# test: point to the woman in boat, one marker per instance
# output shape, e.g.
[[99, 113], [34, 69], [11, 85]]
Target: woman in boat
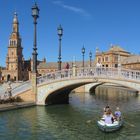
[[108, 117]]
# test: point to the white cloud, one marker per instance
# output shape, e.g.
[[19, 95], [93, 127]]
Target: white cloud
[[72, 8]]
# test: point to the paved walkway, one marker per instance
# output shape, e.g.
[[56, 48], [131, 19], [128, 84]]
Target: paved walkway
[[15, 105]]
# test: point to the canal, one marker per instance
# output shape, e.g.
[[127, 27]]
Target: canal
[[76, 120]]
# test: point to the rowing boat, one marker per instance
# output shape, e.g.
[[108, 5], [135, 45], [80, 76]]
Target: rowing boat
[[116, 125]]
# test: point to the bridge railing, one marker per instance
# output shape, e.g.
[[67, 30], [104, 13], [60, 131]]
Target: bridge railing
[[130, 74], [14, 89], [49, 77], [21, 88], [92, 72], [98, 72]]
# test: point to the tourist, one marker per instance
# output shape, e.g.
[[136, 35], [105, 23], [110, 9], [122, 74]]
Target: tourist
[[108, 117], [106, 108], [117, 114]]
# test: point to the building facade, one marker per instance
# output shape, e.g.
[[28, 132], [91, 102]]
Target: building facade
[[132, 62], [111, 58]]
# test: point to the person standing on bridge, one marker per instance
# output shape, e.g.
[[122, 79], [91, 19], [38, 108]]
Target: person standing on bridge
[[98, 67], [67, 66]]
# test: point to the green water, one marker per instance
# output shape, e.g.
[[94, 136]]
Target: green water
[[74, 121]]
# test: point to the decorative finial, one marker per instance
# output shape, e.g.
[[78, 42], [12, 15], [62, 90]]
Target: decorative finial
[[111, 45], [44, 60], [97, 49], [15, 20], [15, 13]]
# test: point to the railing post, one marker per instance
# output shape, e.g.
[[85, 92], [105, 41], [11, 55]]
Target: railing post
[[74, 71], [119, 70], [34, 86]]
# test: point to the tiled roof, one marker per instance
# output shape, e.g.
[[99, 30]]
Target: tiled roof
[[54, 65], [132, 59], [117, 48], [114, 49]]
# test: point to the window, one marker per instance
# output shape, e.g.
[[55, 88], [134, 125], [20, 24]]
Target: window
[[116, 58], [106, 59], [116, 65], [15, 78], [14, 42], [99, 59], [103, 59]]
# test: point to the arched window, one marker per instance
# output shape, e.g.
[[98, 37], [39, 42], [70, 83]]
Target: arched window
[[14, 42], [12, 53]]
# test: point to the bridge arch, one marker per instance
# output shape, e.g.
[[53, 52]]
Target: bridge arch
[[61, 95], [48, 92], [127, 83]]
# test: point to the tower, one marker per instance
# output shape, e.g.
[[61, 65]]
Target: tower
[[14, 59]]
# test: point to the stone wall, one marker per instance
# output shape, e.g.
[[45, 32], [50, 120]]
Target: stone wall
[[27, 96]]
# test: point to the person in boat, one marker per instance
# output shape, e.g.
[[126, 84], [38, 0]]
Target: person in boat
[[117, 114], [105, 110], [108, 117]]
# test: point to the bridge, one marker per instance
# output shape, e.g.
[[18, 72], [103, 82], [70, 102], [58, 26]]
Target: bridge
[[55, 87]]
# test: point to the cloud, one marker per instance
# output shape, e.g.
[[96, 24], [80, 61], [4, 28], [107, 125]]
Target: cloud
[[72, 8]]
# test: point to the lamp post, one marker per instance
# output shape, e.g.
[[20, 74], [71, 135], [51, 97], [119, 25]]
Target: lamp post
[[83, 52], [35, 15], [90, 58], [60, 33]]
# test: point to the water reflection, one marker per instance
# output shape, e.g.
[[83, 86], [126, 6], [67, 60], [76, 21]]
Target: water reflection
[[117, 96]]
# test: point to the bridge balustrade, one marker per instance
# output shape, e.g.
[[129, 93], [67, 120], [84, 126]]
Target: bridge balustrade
[[93, 72], [89, 72], [21, 88], [49, 77]]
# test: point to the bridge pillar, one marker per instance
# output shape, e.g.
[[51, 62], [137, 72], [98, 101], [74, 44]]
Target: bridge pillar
[[74, 71], [34, 86]]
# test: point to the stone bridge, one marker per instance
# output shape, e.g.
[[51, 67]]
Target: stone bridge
[[55, 87]]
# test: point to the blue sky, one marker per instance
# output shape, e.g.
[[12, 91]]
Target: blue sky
[[94, 23]]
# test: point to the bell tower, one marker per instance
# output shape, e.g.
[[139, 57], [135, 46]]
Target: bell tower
[[14, 59]]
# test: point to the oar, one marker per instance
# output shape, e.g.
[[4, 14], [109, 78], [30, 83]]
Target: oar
[[88, 121], [132, 125]]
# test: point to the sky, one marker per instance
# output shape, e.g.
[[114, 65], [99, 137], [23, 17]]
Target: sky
[[92, 23]]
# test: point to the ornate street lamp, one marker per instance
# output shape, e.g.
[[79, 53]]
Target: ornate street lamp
[[90, 58], [60, 33], [83, 52], [35, 15]]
